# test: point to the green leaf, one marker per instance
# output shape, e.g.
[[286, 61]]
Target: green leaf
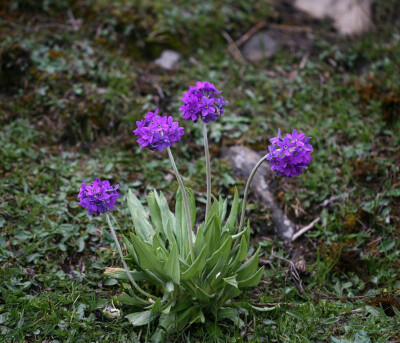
[[214, 211], [232, 314], [330, 320], [110, 282], [154, 210], [253, 280], [132, 300], [155, 279], [222, 251], [180, 210], [185, 315], [159, 247], [212, 235], [146, 258], [81, 244], [227, 293], [168, 227], [223, 205], [240, 254], [140, 318], [218, 272], [231, 281], [140, 218], [395, 192], [168, 322], [249, 267], [156, 307], [172, 265], [197, 317], [264, 309], [238, 235], [120, 274], [203, 296], [130, 249], [195, 267], [231, 221]]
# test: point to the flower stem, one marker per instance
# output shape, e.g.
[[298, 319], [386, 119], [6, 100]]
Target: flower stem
[[246, 192], [208, 169], [124, 263], [185, 203]]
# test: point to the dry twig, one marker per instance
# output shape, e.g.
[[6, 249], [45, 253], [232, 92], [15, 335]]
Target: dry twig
[[233, 49], [305, 229]]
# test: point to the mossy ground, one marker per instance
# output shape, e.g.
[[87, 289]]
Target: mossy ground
[[74, 78]]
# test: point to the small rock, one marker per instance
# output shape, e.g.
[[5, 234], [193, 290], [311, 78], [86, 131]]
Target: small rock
[[260, 46], [168, 59], [349, 16]]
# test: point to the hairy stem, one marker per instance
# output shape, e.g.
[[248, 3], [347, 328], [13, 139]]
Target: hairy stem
[[246, 192], [208, 169], [185, 203], [124, 263]]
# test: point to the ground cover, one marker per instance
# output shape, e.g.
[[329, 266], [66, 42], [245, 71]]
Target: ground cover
[[74, 78]]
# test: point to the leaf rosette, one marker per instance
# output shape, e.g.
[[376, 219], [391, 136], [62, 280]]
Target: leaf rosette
[[186, 290]]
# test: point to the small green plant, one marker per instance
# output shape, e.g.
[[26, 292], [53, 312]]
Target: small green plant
[[188, 276]]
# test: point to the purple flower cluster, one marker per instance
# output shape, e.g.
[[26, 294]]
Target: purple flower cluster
[[98, 196], [289, 155], [200, 101], [156, 132]]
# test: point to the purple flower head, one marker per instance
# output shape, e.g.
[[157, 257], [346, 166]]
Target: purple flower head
[[289, 155], [156, 132], [201, 102], [98, 196]]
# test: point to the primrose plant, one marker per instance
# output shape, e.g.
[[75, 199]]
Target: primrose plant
[[180, 272]]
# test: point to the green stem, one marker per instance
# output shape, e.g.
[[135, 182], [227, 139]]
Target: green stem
[[185, 203], [124, 263], [208, 169], [246, 192]]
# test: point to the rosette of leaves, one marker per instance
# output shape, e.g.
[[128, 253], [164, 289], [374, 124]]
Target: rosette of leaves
[[186, 291]]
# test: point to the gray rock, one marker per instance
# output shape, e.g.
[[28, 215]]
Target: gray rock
[[261, 45], [349, 16], [168, 59]]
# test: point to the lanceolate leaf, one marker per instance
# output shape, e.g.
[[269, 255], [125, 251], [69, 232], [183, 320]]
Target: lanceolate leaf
[[223, 205], [140, 218], [216, 274], [232, 314], [248, 269], [222, 251], [130, 249], [180, 210], [230, 222], [172, 265], [120, 274], [203, 296], [196, 266], [132, 300], [231, 281], [213, 235], [239, 256], [140, 318], [253, 280], [155, 212], [147, 259]]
